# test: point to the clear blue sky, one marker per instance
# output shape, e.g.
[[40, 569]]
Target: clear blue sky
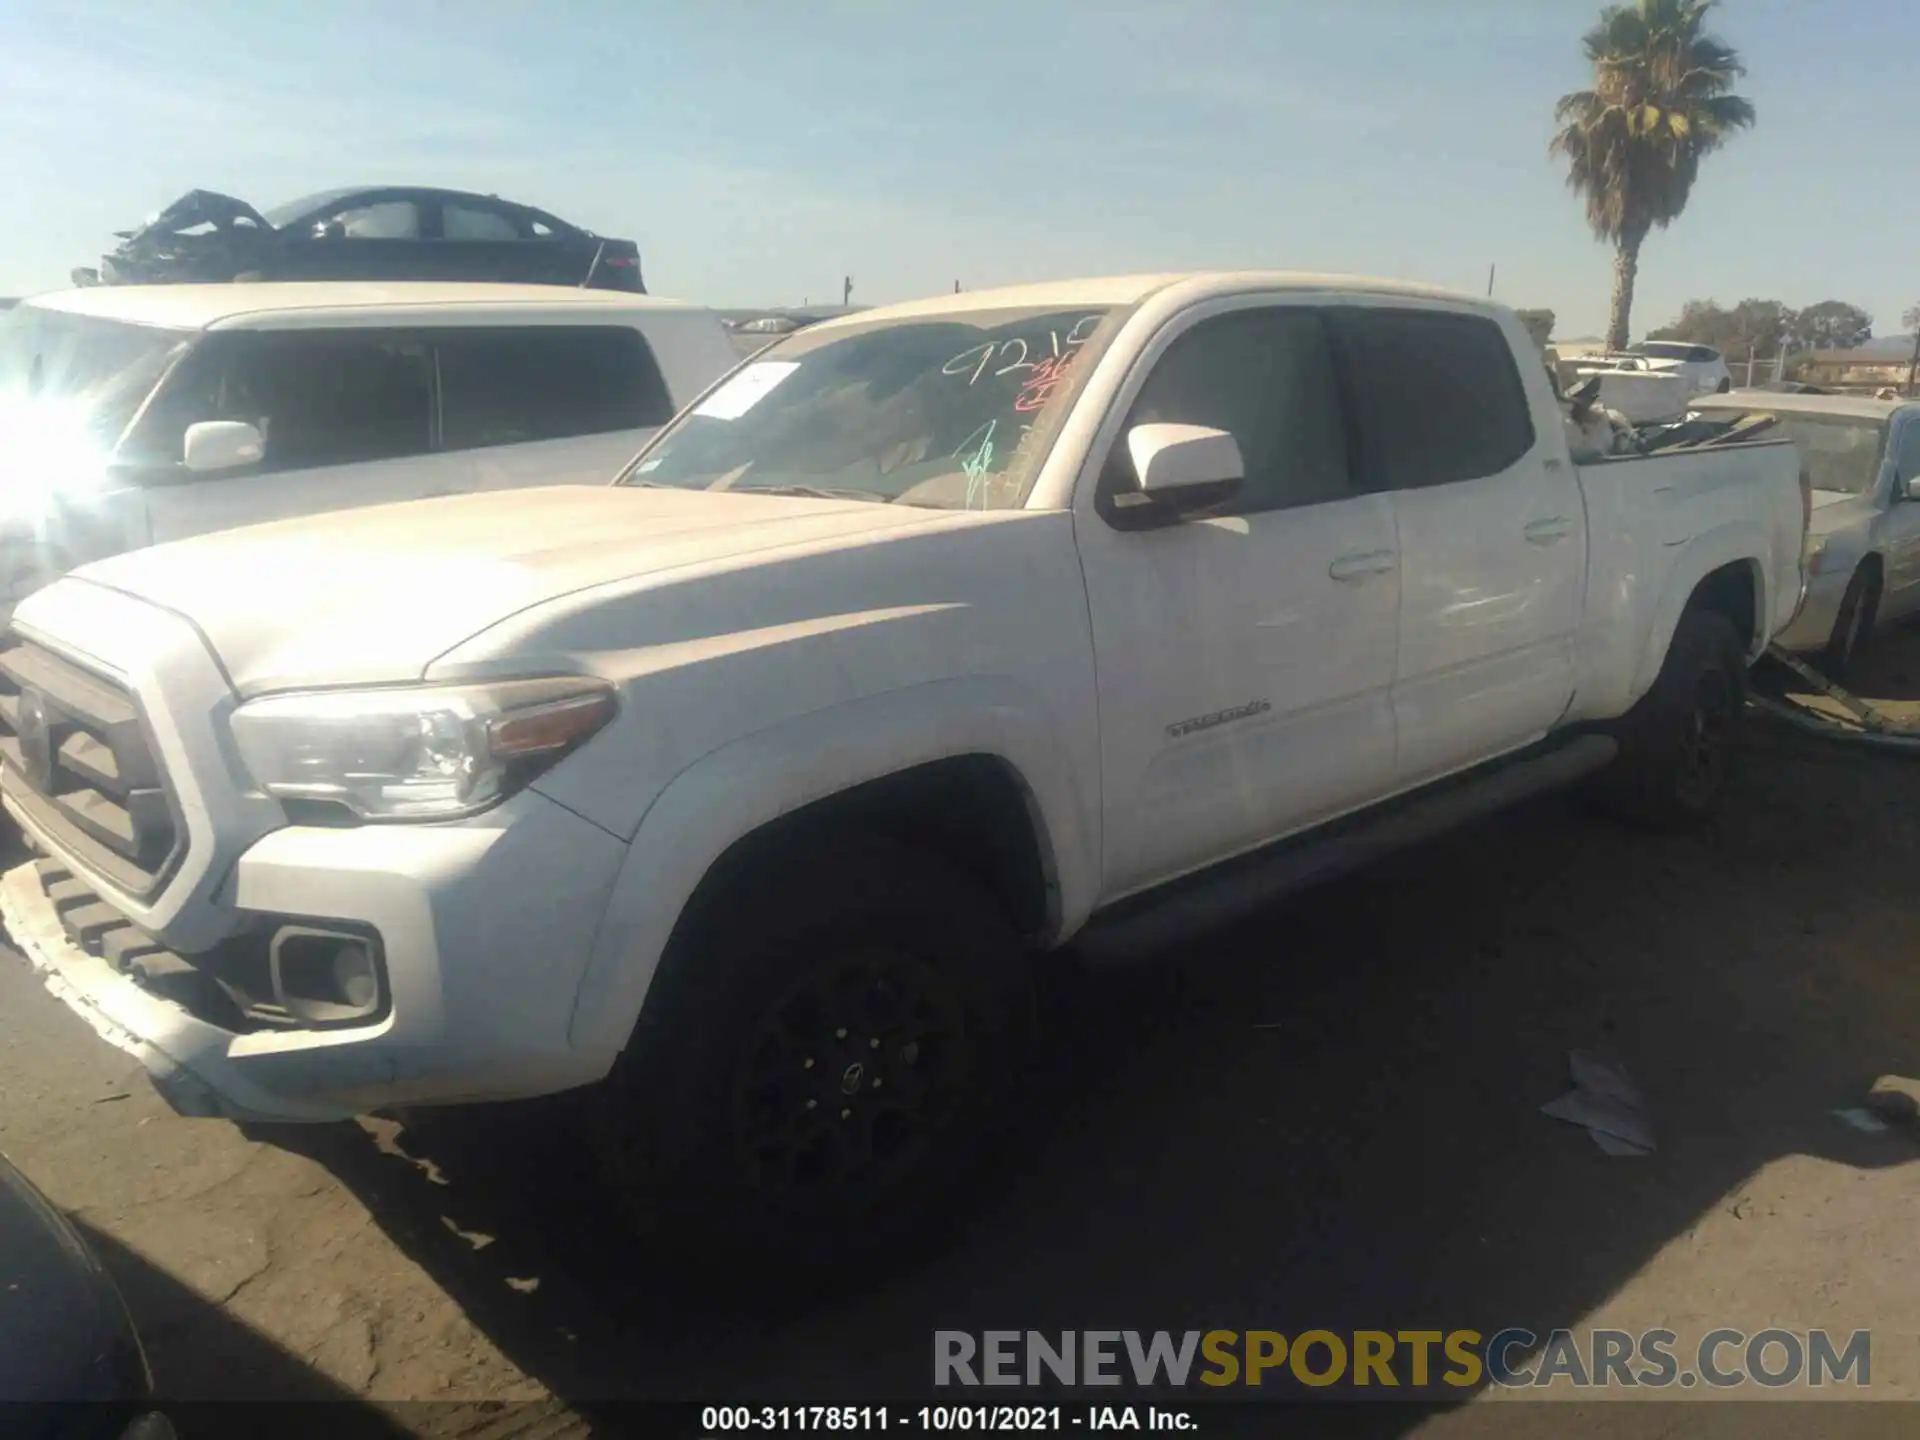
[[760, 151]]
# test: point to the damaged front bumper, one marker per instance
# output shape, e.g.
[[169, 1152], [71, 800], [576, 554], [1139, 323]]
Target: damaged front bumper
[[480, 931]]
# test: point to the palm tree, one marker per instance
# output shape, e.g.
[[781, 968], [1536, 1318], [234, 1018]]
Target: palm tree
[[1912, 321], [1661, 99]]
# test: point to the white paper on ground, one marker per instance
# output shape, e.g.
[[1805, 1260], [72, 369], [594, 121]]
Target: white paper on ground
[[1603, 1075], [1597, 1112], [745, 390]]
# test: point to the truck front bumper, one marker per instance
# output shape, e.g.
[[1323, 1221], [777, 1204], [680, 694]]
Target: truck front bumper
[[483, 929]]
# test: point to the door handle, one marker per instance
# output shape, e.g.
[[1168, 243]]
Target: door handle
[[1355, 568], [1547, 532]]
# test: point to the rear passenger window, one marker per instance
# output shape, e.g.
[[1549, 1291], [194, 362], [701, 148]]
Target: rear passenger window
[[1267, 378], [508, 387], [1437, 396]]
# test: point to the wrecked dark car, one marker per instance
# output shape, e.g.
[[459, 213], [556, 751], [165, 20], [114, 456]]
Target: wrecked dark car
[[365, 233]]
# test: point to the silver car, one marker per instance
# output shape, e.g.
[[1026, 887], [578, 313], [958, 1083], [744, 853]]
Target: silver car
[[1862, 459]]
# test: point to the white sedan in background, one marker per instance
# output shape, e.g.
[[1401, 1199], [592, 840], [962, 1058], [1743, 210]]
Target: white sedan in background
[[1862, 459], [1703, 367]]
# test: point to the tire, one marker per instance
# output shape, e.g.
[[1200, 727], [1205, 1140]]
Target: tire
[[751, 1105], [1859, 608], [1671, 769]]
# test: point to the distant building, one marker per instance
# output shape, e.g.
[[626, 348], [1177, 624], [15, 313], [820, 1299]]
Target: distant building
[[1862, 370]]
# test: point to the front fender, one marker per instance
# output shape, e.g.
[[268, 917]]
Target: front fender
[[736, 789], [1732, 544]]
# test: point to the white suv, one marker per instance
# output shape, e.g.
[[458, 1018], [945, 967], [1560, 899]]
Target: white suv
[[133, 415]]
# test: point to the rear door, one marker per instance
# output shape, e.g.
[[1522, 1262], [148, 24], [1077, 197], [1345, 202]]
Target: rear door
[[548, 404], [348, 419], [1491, 526], [1245, 658], [371, 237]]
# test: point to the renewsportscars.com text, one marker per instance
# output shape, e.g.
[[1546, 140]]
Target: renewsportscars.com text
[[1377, 1360]]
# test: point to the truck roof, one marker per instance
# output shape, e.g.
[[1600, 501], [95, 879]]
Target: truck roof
[[289, 305], [1131, 289]]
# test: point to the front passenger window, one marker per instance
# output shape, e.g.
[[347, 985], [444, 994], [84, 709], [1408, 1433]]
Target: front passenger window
[[1267, 378], [317, 398]]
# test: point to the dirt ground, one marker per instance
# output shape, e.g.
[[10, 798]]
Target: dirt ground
[[1328, 1116]]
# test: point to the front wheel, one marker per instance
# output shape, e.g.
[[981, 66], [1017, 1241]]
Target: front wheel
[[824, 1061], [1672, 767]]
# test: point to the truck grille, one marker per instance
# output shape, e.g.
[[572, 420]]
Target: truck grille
[[75, 755]]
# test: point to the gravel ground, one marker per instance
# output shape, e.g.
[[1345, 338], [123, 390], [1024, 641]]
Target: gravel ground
[[1327, 1116]]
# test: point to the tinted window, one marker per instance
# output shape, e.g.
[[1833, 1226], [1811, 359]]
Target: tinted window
[[506, 387], [318, 398], [1910, 448], [471, 222], [388, 220], [1702, 353], [1266, 377], [1438, 397]]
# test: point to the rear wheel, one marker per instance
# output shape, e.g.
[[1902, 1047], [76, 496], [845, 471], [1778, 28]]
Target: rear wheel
[[1859, 608], [822, 1063], [1672, 766]]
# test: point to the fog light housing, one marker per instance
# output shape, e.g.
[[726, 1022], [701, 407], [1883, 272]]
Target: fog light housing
[[326, 977]]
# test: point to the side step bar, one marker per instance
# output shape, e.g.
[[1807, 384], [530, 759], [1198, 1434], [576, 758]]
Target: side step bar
[[1143, 924]]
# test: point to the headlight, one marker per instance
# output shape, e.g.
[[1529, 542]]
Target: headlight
[[423, 753]]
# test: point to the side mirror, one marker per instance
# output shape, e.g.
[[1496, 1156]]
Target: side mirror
[[222, 445], [1181, 469]]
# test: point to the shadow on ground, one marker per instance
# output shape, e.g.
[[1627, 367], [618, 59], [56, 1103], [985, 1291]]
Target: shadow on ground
[[1324, 1118], [217, 1376]]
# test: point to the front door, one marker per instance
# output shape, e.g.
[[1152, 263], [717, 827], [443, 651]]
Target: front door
[[1492, 532], [1245, 659]]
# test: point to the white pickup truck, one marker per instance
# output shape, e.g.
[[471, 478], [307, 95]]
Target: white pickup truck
[[929, 641]]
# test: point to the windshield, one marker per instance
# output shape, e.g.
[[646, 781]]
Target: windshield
[[1842, 456], [949, 411], [78, 374]]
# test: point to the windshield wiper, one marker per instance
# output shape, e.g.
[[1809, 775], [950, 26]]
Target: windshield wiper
[[814, 492]]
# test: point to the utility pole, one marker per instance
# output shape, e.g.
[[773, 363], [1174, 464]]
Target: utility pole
[[1914, 364], [956, 287], [846, 291], [1490, 281]]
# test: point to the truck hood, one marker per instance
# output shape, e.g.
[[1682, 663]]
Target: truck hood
[[374, 596]]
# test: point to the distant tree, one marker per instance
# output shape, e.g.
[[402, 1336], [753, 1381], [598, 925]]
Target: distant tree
[[1539, 325], [1831, 325], [1753, 327], [1661, 101]]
